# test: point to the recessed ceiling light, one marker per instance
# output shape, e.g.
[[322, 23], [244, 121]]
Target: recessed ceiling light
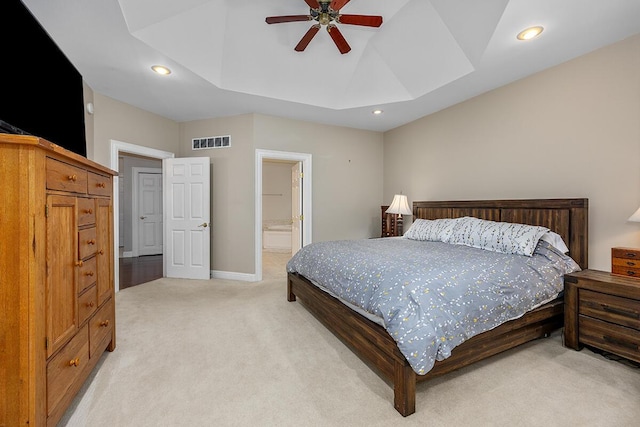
[[377, 112], [529, 33], [160, 69]]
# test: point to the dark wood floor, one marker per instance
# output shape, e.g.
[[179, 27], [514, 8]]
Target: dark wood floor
[[134, 271]]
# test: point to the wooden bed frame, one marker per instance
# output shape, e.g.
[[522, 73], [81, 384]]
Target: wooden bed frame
[[567, 217]]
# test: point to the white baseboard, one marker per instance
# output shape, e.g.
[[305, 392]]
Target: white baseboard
[[230, 275], [127, 254]]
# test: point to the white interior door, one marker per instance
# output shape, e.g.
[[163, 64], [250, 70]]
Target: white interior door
[[296, 207], [149, 219], [186, 215]]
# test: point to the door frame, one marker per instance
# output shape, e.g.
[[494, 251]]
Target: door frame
[[117, 147], [135, 251], [303, 158]]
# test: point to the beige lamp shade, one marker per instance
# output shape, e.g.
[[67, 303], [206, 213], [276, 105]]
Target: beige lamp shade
[[635, 217], [399, 205]]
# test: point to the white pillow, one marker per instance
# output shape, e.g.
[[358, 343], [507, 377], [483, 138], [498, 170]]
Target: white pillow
[[437, 230], [555, 240], [505, 237]]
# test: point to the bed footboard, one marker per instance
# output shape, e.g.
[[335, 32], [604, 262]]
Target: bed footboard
[[368, 340], [371, 342]]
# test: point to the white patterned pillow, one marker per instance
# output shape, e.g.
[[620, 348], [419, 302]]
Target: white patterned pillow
[[437, 230], [555, 240], [505, 237]]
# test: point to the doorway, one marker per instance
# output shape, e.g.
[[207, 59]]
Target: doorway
[[142, 268], [278, 204]]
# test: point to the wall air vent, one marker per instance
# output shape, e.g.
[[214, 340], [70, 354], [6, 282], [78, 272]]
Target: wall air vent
[[211, 142]]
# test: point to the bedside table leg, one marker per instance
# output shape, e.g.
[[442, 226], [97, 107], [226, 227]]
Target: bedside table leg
[[571, 315]]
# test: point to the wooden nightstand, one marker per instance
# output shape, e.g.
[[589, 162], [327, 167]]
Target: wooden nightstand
[[602, 310], [625, 262], [390, 227]]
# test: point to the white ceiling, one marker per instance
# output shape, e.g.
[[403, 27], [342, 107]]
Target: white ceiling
[[426, 56]]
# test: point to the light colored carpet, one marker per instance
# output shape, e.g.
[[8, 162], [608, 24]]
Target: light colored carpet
[[225, 353]]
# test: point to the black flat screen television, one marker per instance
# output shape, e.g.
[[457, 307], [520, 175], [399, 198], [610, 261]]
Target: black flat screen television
[[41, 92]]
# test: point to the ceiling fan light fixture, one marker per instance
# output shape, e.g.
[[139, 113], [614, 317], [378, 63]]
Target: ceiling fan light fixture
[[161, 69], [530, 33], [377, 112]]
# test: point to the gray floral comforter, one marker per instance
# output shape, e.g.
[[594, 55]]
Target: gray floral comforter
[[432, 296]]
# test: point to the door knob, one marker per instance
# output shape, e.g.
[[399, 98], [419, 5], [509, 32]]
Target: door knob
[[142, 217], [205, 225]]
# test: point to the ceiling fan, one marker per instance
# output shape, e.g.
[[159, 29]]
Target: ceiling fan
[[327, 12]]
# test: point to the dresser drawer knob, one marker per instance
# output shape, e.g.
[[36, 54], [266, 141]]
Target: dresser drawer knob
[[101, 185], [90, 304], [631, 273], [88, 211], [74, 362], [89, 273], [91, 242], [79, 263], [104, 323], [101, 252], [73, 177], [631, 255]]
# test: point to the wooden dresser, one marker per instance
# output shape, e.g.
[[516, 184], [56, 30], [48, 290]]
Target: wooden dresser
[[602, 310], [56, 277]]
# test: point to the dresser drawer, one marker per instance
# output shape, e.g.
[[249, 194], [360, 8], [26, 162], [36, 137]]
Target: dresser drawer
[[87, 304], [623, 311], [86, 211], [625, 271], [609, 337], [87, 242], [66, 368], [87, 274], [99, 185], [101, 326], [625, 253], [64, 177]]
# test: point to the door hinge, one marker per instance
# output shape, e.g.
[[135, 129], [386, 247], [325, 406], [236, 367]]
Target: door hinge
[[301, 217], [46, 211], [301, 174]]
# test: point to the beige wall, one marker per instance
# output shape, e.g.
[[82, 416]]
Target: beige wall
[[232, 194], [122, 122], [347, 173], [347, 180], [570, 131], [276, 191]]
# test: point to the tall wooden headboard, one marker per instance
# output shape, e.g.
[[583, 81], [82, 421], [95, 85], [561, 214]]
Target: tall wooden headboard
[[567, 217]]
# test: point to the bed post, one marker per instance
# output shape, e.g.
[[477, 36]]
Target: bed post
[[404, 388], [290, 295]]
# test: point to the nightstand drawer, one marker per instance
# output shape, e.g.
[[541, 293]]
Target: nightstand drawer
[[609, 337], [610, 308]]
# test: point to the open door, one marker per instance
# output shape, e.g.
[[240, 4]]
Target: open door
[[296, 207], [187, 217]]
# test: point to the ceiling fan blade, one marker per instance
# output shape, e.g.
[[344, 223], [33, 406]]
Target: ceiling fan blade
[[365, 20], [287, 18], [313, 4], [338, 39], [304, 41], [338, 4]]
